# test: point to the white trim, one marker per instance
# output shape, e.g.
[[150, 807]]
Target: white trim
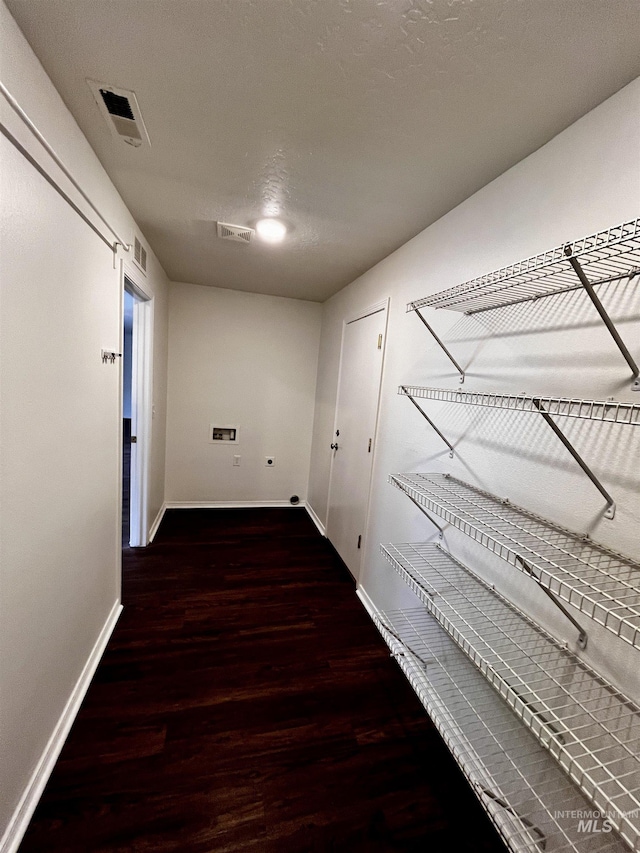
[[141, 402], [157, 522], [314, 517], [368, 605], [33, 791], [368, 311], [229, 504], [141, 359]]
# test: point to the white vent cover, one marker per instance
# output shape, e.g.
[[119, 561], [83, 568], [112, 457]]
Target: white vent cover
[[235, 232], [139, 254], [120, 110]]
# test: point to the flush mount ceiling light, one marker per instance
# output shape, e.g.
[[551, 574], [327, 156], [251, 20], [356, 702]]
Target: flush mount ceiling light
[[271, 230]]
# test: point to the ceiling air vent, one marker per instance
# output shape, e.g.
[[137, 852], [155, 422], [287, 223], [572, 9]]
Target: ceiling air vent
[[235, 232], [120, 110], [139, 254]]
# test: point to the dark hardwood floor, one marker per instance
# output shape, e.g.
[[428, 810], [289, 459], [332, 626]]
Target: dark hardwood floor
[[247, 703]]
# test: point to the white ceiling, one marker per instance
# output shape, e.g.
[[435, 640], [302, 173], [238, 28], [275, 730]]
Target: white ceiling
[[358, 122]]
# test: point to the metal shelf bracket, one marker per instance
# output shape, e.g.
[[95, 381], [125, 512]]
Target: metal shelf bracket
[[609, 255], [582, 634], [611, 506], [537, 406], [429, 421], [606, 319], [442, 346], [541, 839], [423, 511]]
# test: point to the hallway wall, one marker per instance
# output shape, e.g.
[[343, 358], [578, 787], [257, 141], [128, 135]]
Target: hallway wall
[[245, 360], [60, 427], [60, 430], [586, 179]]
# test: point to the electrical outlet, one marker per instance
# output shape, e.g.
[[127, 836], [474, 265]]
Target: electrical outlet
[[236, 460], [269, 461]]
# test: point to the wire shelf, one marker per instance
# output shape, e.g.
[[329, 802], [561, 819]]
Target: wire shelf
[[604, 256], [609, 411], [534, 806], [595, 580], [590, 728]]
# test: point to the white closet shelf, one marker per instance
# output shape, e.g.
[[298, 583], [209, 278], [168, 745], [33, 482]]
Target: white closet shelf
[[532, 803], [596, 581], [589, 727], [604, 256], [609, 411]]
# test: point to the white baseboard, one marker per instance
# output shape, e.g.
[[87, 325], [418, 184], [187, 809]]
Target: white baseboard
[[313, 516], [228, 504], [368, 605], [33, 791], [157, 522]]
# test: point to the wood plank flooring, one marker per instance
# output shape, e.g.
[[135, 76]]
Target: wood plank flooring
[[247, 703]]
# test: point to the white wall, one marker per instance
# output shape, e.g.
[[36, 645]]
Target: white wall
[[252, 360], [245, 360], [60, 440], [584, 180]]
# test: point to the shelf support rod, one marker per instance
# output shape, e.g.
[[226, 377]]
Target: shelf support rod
[[603, 315], [553, 728], [443, 347], [528, 569], [611, 506], [429, 421], [422, 510], [405, 645], [542, 840]]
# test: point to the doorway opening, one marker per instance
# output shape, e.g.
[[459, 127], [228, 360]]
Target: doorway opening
[[127, 375], [136, 410]]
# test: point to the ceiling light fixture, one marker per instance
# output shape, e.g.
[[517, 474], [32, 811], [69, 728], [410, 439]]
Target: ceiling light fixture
[[271, 230]]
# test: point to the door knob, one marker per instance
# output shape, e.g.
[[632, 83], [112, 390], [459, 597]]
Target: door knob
[[334, 446]]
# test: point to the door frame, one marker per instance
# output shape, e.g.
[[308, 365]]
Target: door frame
[[142, 406], [375, 308]]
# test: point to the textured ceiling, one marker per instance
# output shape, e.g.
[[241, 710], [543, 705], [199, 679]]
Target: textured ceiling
[[358, 122]]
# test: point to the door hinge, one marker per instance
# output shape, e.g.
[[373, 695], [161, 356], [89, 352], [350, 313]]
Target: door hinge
[[360, 540], [380, 341], [134, 439], [369, 451]]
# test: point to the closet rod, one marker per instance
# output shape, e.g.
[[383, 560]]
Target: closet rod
[[15, 106]]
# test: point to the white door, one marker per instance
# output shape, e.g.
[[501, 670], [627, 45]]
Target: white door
[[354, 434]]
